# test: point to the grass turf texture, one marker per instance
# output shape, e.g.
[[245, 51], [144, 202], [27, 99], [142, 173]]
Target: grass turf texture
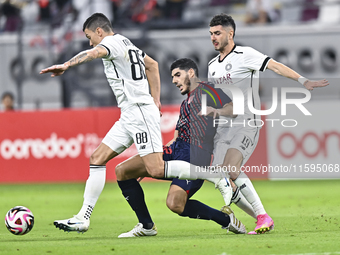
[[306, 215]]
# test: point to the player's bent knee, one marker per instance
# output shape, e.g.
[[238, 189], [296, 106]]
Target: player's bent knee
[[97, 159], [174, 207], [92, 159], [154, 165], [120, 172]]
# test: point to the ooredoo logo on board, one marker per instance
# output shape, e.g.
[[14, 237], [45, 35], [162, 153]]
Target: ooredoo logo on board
[[38, 148]]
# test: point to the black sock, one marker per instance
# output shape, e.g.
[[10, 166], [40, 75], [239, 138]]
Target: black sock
[[197, 210], [133, 193]]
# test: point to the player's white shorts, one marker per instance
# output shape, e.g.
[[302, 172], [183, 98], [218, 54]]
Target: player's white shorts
[[139, 124], [244, 139]]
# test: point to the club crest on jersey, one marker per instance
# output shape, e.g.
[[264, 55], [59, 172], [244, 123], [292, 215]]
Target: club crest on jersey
[[228, 67]]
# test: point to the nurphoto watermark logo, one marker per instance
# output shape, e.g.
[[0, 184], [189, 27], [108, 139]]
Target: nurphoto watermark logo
[[245, 101]]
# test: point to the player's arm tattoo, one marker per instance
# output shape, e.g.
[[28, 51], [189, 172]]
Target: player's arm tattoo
[[84, 56]]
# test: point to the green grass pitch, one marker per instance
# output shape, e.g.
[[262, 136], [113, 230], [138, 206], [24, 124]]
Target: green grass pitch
[[306, 216]]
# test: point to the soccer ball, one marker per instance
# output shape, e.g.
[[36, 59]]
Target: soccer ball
[[19, 220]]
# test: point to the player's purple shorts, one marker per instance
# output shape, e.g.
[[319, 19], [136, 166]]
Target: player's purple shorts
[[181, 150]]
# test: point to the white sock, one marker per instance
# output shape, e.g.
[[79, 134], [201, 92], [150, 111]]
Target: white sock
[[223, 185], [186, 171], [249, 192], [93, 188], [239, 200], [178, 169]]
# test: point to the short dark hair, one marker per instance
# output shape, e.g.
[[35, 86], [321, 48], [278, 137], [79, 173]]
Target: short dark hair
[[184, 64], [7, 94], [98, 20], [223, 20]]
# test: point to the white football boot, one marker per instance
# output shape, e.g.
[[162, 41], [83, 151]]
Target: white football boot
[[139, 231], [73, 224], [235, 226], [224, 186]]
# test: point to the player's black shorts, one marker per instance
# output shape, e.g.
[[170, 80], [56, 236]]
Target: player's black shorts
[[181, 150]]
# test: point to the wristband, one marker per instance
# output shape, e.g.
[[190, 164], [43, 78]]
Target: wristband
[[302, 80]]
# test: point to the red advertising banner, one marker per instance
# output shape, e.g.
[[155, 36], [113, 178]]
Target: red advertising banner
[[311, 149], [55, 146]]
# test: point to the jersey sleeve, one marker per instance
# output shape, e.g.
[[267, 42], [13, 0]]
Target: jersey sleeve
[[210, 77], [209, 74], [255, 60], [224, 98], [112, 51], [218, 98]]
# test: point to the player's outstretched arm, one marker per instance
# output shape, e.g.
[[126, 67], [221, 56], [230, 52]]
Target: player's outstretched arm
[[82, 57], [285, 71], [152, 73]]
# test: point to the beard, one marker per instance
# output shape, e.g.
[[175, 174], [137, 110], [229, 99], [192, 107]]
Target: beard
[[187, 83], [223, 45]]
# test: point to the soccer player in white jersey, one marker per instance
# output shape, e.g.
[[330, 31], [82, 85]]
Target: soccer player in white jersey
[[240, 67], [130, 73]]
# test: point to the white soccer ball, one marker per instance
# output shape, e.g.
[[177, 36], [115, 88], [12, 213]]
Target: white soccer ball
[[19, 220]]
